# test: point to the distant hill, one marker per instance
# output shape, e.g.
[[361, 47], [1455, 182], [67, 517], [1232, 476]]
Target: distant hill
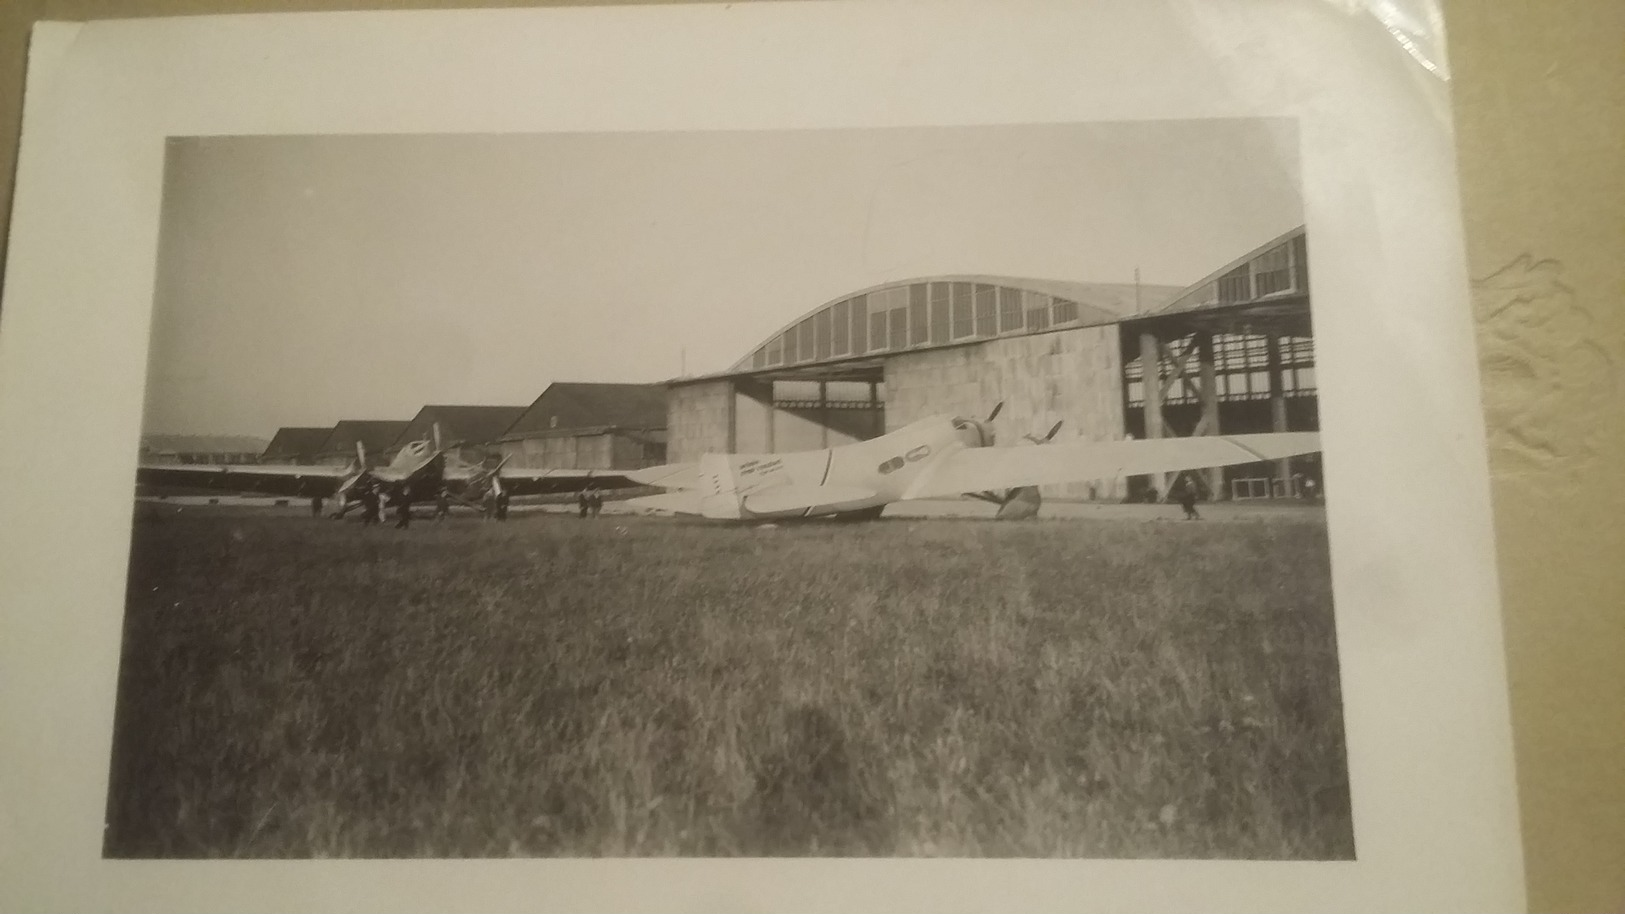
[[202, 444]]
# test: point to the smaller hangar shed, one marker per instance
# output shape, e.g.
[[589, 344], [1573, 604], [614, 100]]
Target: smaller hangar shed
[[589, 426], [295, 445], [460, 426], [375, 435]]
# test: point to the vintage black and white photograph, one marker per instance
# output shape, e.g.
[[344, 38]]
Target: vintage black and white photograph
[[876, 492]]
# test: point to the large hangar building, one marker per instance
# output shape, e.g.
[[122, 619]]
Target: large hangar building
[[1233, 354]]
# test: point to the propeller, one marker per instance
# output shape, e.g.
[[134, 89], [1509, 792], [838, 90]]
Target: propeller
[[438, 446], [502, 461], [1049, 437], [1028, 495], [493, 476], [484, 483], [995, 414], [359, 467]]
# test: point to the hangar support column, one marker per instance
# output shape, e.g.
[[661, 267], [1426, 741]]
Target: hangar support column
[[1278, 423], [1151, 382], [733, 418], [752, 420], [823, 414], [877, 411], [1208, 389]]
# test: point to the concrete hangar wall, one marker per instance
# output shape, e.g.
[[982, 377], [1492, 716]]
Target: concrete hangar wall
[[1232, 353]]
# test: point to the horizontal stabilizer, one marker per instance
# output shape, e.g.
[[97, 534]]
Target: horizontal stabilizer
[[800, 498], [668, 476], [994, 468], [538, 481], [667, 503]]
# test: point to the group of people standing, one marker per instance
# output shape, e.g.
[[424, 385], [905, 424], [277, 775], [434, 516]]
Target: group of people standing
[[371, 496], [590, 502], [495, 505]]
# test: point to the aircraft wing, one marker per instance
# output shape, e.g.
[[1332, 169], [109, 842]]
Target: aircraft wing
[[251, 479], [668, 476], [797, 498], [776, 500], [561, 482], [992, 468]]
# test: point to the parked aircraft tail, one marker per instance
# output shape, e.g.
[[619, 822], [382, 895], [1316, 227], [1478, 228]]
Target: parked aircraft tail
[[668, 503], [668, 476]]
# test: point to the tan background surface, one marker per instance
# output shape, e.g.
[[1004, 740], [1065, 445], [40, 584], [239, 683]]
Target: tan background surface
[[1540, 113], [1540, 107]]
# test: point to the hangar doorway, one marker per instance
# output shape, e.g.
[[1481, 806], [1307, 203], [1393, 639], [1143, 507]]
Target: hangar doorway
[[811, 415], [777, 410]]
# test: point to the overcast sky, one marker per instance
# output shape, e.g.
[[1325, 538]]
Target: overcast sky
[[303, 280]]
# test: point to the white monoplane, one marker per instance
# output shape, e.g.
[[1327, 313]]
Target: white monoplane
[[933, 458]]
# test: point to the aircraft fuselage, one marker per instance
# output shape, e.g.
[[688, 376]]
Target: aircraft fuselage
[[847, 479]]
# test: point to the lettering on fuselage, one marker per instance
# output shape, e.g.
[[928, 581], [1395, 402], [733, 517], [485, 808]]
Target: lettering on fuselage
[[760, 467]]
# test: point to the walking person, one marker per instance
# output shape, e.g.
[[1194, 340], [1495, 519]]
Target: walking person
[[1187, 498], [502, 504], [369, 506], [403, 511], [442, 505], [584, 502], [597, 503]]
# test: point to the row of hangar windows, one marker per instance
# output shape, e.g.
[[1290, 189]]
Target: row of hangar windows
[[1278, 270], [1241, 364], [919, 314], [946, 311]]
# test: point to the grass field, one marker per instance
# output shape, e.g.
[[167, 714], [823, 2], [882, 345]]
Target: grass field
[[631, 686]]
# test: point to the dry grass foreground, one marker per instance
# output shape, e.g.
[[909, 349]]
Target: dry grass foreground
[[631, 686]]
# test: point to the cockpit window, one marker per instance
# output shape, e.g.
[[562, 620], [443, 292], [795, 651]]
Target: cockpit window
[[961, 423]]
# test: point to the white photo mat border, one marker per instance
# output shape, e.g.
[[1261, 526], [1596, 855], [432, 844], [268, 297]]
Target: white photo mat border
[[1409, 516]]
